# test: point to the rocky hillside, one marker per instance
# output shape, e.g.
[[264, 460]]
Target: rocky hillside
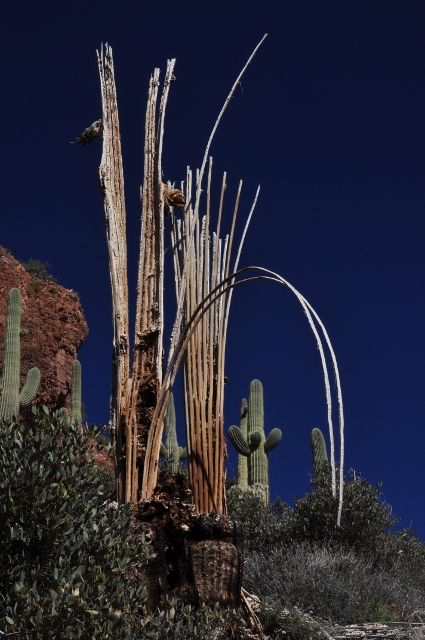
[[53, 329]]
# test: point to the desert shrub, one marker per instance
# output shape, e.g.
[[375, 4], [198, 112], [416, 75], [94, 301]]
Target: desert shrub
[[264, 525], [402, 556], [336, 584], [299, 561], [165, 470], [290, 623], [106, 479], [175, 619], [65, 552], [365, 520], [39, 269]]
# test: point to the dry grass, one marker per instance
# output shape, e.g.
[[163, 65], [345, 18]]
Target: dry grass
[[337, 584]]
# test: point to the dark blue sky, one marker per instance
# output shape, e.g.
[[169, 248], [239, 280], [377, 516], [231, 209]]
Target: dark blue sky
[[329, 120]]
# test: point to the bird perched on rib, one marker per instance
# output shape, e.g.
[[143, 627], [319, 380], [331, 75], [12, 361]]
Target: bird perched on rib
[[95, 130], [172, 198]]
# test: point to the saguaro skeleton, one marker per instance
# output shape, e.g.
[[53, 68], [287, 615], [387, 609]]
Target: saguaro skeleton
[[202, 275], [133, 399]]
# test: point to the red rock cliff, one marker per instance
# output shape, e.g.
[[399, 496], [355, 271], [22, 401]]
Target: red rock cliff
[[55, 330]]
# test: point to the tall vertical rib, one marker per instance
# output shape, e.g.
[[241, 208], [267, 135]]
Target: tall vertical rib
[[112, 187]]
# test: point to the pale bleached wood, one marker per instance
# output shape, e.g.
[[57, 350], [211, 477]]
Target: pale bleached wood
[[147, 354], [223, 337], [111, 180], [145, 311]]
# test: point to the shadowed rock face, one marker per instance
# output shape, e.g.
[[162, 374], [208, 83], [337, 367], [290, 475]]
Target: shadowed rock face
[[53, 328]]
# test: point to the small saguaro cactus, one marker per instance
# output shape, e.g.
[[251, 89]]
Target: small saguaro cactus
[[254, 445], [170, 451], [318, 447], [76, 415], [11, 398]]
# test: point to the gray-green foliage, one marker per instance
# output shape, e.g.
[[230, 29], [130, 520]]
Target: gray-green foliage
[[264, 524], [251, 443], [65, 553], [170, 450], [336, 582], [366, 518], [290, 623], [175, 619], [39, 269], [11, 398]]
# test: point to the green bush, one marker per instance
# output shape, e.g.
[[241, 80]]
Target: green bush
[[175, 619], [365, 518], [39, 269], [264, 525], [65, 552]]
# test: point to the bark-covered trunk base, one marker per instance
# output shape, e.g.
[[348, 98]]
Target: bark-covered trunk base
[[199, 557]]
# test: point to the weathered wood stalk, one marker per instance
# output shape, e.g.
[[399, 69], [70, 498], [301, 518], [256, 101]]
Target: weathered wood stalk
[[111, 180], [147, 353]]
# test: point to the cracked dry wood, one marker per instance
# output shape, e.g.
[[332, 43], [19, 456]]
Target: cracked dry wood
[[148, 352], [111, 180]]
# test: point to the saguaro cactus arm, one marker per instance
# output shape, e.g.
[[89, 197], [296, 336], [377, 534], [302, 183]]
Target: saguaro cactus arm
[[238, 441], [29, 390], [273, 439]]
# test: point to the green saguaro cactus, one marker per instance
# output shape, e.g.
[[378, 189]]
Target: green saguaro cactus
[[11, 398], [318, 447], [258, 460], [254, 446], [242, 459], [76, 414], [170, 451]]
